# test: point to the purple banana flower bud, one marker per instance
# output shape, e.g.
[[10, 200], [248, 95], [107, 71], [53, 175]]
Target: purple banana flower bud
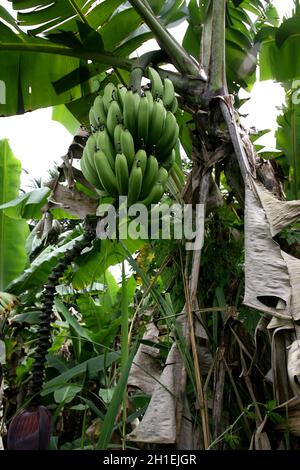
[[30, 429]]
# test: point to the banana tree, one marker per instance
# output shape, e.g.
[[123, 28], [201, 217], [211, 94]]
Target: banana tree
[[90, 44]]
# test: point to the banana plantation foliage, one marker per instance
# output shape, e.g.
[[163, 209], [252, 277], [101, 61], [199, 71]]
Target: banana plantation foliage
[[150, 285]]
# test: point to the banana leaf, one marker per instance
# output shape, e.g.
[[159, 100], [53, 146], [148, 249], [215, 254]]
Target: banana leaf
[[13, 233]]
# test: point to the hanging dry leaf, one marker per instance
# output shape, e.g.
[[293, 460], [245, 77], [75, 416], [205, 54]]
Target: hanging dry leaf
[[73, 201], [145, 370], [160, 422], [272, 276]]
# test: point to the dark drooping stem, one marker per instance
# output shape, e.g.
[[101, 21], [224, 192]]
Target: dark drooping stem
[[44, 331]]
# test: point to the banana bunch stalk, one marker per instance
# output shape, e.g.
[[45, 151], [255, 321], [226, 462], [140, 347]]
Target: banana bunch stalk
[[132, 146]]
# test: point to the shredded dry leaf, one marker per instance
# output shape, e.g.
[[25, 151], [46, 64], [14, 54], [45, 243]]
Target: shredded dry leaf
[[145, 370], [272, 276]]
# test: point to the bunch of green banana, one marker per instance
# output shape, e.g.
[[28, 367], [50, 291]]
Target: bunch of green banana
[[131, 149], [163, 90]]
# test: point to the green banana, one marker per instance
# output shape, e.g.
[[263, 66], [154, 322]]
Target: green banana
[[93, 120], [89, 171], [141, 158], [162, 176], [155, 195], [169, 93], [109, 94], [122, 173], [157, 87], [157, 122], [91, 144], [143, 119], [99, 110], [174, 105], [170, 160], [127, 146], [89, 151], [131, 101], [114, 117], [117, 137], [105, 173], [150, 175], [169, 136], [121, 92], [136, 98], [104, 143], [134, 184], [84, 168], [150, 100]]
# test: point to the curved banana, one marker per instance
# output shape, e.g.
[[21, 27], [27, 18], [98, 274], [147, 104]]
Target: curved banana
[[137, 98], [157, 122], [114, 117], [150, 100], [162, 176], [122, 173], [121, 92], [143, 118], [93, 120], [117, 137], [169, 93], [157, 87], [155, 195], [89, 152], [174, 105], [150, 175], [91, 144], [105, 173], [134, 184], [127, 146], [141, 159], [99, 110], [104, 143], [109, 94], [130, 111], [89, 172], [169, 136]]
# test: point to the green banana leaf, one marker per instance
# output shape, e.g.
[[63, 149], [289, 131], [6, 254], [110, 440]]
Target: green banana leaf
[[28, 60], [37, 273], [61, 114], [27, 206], [13, 233], [91, 367], [280, 51], [288, 140], [49, 15], [241, 30], [56, 15], [105, 253], [75, 32], [102, 316]]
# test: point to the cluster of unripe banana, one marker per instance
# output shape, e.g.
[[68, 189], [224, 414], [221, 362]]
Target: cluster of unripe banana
[[132, 147]]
